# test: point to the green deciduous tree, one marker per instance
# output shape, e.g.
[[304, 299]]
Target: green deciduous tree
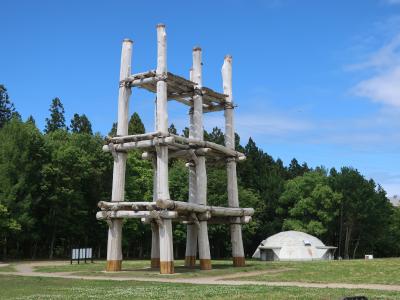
[[308, 204], [22, 155], [364, 213]]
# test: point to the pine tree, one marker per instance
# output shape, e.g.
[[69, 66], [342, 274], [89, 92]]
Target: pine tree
[[113, 131], [136, 125], [57, 118], [172, 129], [7, 110], [81, 124], [31, 120], [185, 132]]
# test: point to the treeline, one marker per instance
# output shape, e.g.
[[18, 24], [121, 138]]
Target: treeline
[[51, 181]]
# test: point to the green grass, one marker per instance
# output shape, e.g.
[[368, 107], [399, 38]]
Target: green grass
[[382, 271], [9, 268], [141, 268], [15, 287]]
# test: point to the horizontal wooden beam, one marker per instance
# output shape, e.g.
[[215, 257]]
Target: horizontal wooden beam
[[135, 137], [143, 205], [181, 206], [129, 214]]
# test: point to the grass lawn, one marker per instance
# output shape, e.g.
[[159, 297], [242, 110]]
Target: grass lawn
[[141, 268], [383, 271], [15, 287], [9, 268]]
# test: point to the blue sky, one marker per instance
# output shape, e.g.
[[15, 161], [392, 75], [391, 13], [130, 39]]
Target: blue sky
[[315, 80]]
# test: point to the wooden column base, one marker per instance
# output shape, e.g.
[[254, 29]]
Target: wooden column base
[[205, 264], [239, 262], [114, 265], [166, 267], [155, 263], [190, 261]]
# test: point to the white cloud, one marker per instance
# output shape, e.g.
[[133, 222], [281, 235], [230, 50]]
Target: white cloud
[[393, 1], [383, 86], [386, 57]]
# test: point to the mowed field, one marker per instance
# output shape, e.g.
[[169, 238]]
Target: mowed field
[[378, 271]]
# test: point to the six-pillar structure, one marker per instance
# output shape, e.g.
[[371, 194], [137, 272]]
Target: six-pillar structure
[[158, 147]]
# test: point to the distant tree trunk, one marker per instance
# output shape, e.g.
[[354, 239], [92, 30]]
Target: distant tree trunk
[[34, 250], [53, 238], [340, 229], [140, 250], [53, 235], [347, 241], [355, 247], [5, 247]]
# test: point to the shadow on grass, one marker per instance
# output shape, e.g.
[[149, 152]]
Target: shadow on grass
[[180, 269]]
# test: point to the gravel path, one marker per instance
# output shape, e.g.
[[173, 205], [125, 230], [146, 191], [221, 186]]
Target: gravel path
[[26, 269]]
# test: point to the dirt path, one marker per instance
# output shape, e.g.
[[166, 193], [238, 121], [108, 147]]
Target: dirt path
[[26, 269]]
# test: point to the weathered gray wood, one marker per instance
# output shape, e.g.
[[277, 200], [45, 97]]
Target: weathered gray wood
[[206, 144], [141, 82], [216, 220], [114, 250], [200, 164], [143, 205], [160, 146], [130, 214], [191, 229], [155, 232], [139, 144], [159, 138], [155, 245], [233, 198], [165, 231], [134, 137], [181, 206]]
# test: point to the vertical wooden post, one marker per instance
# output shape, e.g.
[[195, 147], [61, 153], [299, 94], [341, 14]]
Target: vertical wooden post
[[201, 173], [114, 250], [155, 234], [233, 198], [165, 230], [191, 229], [155, 245]]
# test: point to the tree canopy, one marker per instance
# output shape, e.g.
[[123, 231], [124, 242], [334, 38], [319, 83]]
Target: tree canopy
[[7, 109], [50, 184], [81, 124]]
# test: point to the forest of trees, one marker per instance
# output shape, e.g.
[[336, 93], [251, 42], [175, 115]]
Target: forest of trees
[[51, 181]]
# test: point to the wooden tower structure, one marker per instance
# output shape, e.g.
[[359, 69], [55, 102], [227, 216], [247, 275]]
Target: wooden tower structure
[[159, 146]]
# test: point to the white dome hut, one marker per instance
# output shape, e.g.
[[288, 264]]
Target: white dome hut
[[293, 246]]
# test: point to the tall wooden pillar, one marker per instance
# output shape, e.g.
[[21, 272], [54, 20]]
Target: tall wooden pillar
[[114, 250], [191, 229], [155, 234], [201, 173], [165, 230], [233, 198]]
